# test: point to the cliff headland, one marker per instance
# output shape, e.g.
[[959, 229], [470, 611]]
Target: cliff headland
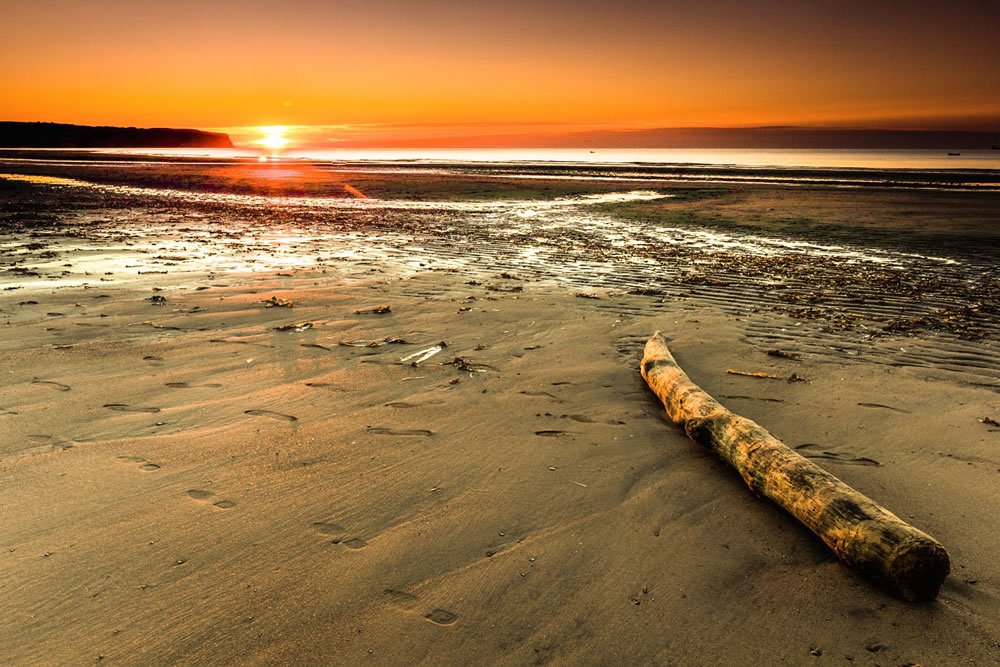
[[61, 135]]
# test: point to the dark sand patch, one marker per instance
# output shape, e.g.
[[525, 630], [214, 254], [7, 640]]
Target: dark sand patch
[[272, 414]]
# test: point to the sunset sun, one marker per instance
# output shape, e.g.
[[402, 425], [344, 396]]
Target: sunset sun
[[274, 137]]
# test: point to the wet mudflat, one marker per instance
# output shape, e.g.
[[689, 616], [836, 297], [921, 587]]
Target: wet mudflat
[[852, 270]]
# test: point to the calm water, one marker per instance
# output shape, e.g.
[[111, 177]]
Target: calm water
[[781, 158]]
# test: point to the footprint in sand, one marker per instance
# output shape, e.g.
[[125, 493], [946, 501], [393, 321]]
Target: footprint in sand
[[124, 407], [752, 398], [837, 457], [145, 466], [398, 598], [884, 407], [239, 342], [54, 443], [353, 543], [543, 394], [404, 404], [58, 386], [584, 419], [272, 414], [381, 430], [326, 385], [327, 528], [202, 496], [442, 617], [334, 528]]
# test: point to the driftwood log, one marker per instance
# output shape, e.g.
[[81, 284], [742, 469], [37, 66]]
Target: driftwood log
[[863, 534]]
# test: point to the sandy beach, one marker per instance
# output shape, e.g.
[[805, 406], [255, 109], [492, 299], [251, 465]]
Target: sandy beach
[[217, 447]]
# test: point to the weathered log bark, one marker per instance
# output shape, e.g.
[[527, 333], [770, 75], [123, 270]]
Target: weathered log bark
[[863, 534]]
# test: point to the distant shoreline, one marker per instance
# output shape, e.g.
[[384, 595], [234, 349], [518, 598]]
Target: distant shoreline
[[764, 138]]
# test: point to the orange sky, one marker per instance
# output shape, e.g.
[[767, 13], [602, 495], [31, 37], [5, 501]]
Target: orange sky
[[401, 68]]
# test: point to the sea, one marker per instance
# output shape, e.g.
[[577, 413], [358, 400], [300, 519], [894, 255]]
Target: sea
[[934, 169], [785, 158]]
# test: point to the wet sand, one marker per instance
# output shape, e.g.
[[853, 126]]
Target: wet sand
[[187, 483]]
